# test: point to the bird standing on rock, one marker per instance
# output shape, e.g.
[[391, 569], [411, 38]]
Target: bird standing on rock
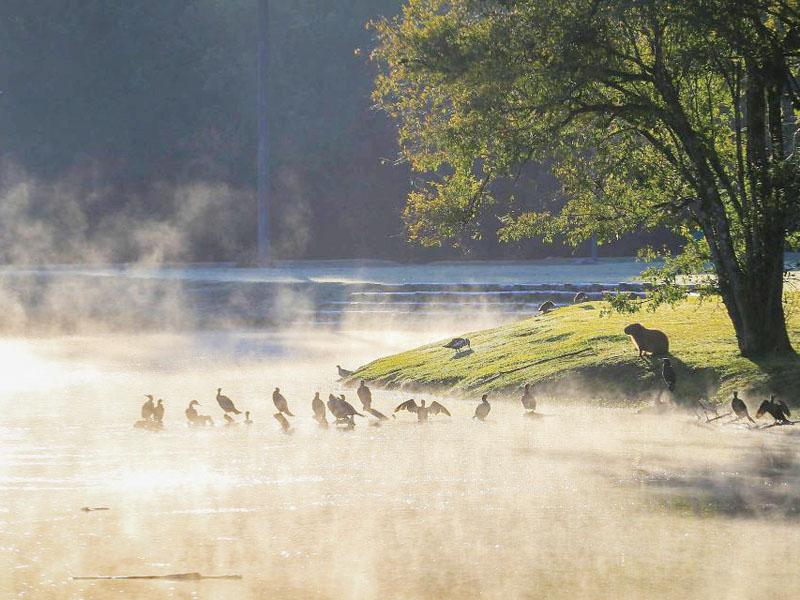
[[740, 408], [668, 374], [280, 402], [226, 403], [148, 408], [482, 410]]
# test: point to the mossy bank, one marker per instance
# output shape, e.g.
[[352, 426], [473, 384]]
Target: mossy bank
[[577, 352]]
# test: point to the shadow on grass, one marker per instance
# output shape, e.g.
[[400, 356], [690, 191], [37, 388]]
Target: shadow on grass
[[463, 354], [782, 377]]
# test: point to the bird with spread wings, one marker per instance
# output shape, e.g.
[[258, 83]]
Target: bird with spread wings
[[422, 411]]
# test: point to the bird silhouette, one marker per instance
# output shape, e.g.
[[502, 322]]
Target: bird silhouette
[[775, 409], [226, 403], [158, 411], [148, 408], [482, 410], [740, 408], [343, 372], [280, 402], [341, 408], [194, 418], [421, 410], [318, 406], [528, 399], [458, 344], [364, 394], [668, 374]]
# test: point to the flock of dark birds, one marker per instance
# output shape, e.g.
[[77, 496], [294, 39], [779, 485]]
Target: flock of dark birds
[[338, 407], [647, 341]]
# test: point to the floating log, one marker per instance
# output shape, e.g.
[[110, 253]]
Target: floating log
[[94, 508], [171, 577]]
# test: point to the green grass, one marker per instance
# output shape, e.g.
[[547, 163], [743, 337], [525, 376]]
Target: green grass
[[574, 351]]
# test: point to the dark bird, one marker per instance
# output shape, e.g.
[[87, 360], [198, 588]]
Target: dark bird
[[528, 399], [775, 410], [148, 408], [318, 406], [343, 372], [226, 403], [482, 410], [668, 374], [247, 419], [422, 411], [365, 395], [282, 420], [280, 402], [580, 297], [740, 408], [458, 344], [158, 411], [341, 408], [786, 412], [191, 412], [546, 307]]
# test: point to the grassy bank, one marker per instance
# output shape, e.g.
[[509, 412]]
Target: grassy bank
[[574, 351]]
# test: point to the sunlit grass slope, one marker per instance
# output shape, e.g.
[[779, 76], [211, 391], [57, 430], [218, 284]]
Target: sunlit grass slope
[[576, 352]]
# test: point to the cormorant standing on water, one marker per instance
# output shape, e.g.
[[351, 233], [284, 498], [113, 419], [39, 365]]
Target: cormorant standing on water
[[365, 395], [668, 373], [528, 399], [422, 411], [318, 406], [191, 412], [158, 411], [482, 410], [226, 403], [740, 408], [343, 372], [148, 408], [280, 402]]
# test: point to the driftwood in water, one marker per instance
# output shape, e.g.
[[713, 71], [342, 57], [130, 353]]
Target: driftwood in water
[[170, 577], [94, 508]]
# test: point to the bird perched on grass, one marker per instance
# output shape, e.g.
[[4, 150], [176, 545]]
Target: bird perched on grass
[[421, 410], [458, 344], [280, 402], [668, 374], [226, 403], [148, 408], [528, 399], [546, 307], [740, 408], [343, 372], [318, 406], [482, 410]]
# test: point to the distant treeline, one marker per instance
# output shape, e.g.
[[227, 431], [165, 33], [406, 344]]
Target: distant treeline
[[134, 110]]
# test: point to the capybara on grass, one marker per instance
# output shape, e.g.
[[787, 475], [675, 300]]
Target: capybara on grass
[[648, 341]]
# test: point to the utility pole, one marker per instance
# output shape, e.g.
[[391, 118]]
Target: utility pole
[[263, 154]]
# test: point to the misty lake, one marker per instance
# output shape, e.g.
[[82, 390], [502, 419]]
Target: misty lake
[[585, 501]]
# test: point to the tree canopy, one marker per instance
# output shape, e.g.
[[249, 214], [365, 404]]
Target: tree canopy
[[651, 112]]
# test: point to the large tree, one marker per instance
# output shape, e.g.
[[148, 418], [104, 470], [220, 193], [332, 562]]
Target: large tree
[[653, 112]]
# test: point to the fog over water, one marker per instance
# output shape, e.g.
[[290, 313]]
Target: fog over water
[[584, 501]]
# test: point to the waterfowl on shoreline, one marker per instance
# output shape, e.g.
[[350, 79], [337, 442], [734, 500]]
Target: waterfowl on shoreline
[[364, 394], [482, 410], [739, 408], [776, 409], [343, 372], [226, 403], [280, 402], [318, 406], [194, 417], [668, 374]]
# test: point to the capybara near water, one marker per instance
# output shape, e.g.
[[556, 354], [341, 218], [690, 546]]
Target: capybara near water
[[648, 341]]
